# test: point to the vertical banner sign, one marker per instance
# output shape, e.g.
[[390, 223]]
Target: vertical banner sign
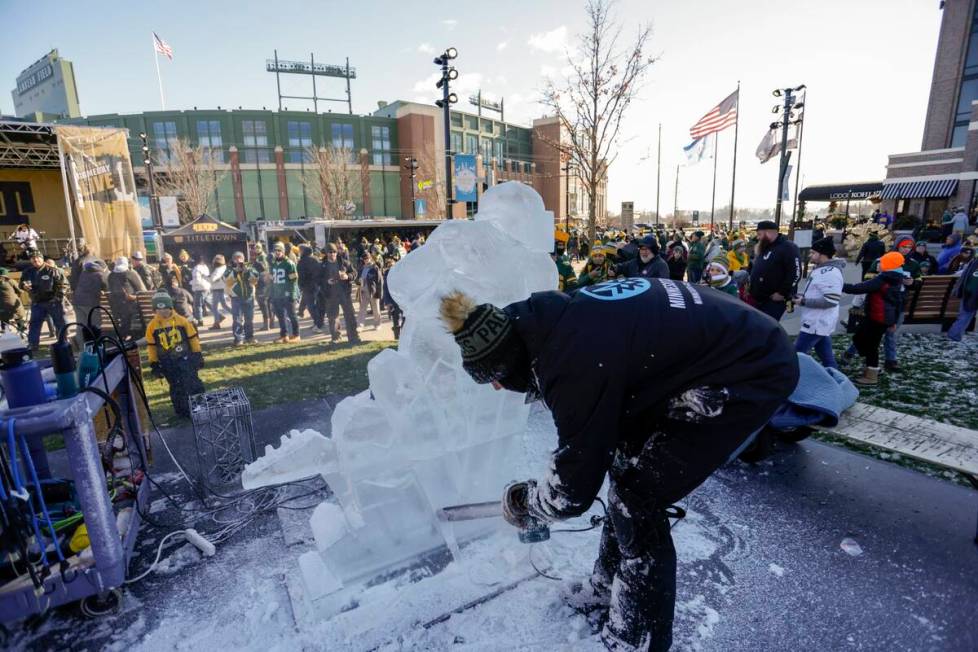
[[627, 215], [169, 215], [103, 189], [785, 195], [465, 178]]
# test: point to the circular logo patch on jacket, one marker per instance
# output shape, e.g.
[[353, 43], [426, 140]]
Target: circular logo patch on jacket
[[617, 290]]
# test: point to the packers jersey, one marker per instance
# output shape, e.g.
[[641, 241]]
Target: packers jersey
[[175, 337]]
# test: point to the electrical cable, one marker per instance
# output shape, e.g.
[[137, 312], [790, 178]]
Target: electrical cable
[[159, 551]]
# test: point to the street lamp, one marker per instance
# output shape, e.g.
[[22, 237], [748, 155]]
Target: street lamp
[[787, 118], [568, 168], [148, 162], [411, 164], [448, 74]]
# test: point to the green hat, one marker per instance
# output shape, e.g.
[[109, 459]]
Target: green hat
[[162, 300], [4, 271]]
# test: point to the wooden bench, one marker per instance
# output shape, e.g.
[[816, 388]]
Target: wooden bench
[[142, 319], [930, 302], [940, 444]]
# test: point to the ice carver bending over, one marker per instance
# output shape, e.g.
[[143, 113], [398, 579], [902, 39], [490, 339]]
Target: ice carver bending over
[[684, 376]]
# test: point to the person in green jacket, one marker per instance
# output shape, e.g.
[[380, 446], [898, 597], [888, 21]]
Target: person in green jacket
[[566, 278], [718, 276], [696, 259], [598, 269], [240, 281], [282, 291]]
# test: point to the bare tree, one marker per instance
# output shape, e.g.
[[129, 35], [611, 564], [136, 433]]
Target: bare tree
[[431, 175], [591, 101], [331, 176], [188, 173]]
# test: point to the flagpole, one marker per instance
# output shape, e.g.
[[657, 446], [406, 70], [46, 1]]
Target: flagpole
[[713, 200], [675, 201], [733, 183], [658, 174], [159, 78]]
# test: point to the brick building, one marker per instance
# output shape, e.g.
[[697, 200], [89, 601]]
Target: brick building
[[944, 172]]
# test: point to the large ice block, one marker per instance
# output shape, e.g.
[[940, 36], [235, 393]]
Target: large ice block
[[425, 435], [299, 455]]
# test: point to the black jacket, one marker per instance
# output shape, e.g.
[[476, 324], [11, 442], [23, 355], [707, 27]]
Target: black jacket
[[77, 267], [47, 283], [677, 268], [148, 275], [309, 272], [882, 307], [183, 301], [655, 268], [667, 337], [122, 283], [92, 282], [330, 272], [871, 250], [969, 301], [776, 270], [375, 281]]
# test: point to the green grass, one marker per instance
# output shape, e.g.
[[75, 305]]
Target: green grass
[[273, 374]]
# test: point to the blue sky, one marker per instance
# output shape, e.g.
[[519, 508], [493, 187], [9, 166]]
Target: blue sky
[[867, 65]]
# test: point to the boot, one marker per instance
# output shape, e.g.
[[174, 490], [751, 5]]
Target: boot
[[891, 366], [871, 376]]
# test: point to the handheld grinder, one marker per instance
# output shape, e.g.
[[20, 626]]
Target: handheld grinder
[[534, 531]]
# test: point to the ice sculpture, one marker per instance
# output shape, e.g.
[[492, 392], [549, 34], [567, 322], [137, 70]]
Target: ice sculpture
[[425, 435]]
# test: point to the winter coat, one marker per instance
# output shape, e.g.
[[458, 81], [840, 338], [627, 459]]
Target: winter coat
[[776, 270], [186, 276], [697, 255], [183, 301], [612, 397], [948, 252], [201, 278], [606, 270], [566, 278], [308, 268], [167, 274], [94, 280], [655, 268], [677, 267], [959, 222], [820, 299], [150, 280], [217, 277], [330, 271], [958, 262], [47, 283], [884, 305], [737, 262], [966, 287], [371, 279], [921, 258], [77, 267], [124, 284], [872, 249], [10, 304]]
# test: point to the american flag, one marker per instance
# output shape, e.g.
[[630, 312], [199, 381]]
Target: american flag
[[162, 46], [719, 117]]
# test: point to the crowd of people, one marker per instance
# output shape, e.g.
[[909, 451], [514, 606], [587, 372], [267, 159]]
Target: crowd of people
[[764, 269]]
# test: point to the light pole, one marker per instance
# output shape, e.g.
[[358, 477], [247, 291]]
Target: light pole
[[411, 165], [448, 74], [567, 170], [154, 208], [787, 118]]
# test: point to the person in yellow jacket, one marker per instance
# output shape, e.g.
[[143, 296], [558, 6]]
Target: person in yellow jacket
[[737, 258], [174, 353]]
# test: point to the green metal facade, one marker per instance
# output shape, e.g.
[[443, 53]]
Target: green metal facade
[[294, 132]]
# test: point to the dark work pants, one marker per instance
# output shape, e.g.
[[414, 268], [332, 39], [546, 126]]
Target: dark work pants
[[40, 313], [636, 566], [288, 321], [124, 311], [773, 309], [333, 304], [867, 340], [181, 376], [308, 301]]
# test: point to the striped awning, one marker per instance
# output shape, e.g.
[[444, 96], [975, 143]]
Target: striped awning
[[919, 189]]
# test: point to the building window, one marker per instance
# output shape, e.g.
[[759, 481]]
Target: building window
[[498, 147], [959, 137], [472, 122], [300, 140], [255, 141], [486, 150], [209, 140], [456, 142], [381, 145], [456, 119], [487, 127], [471, 144], [342, 136], [164, 139]]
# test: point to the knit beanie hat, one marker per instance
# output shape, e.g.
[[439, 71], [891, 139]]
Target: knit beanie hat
[[825, 246], [162, 300], [891, 261], [904, 240], [717, 273], [491, 349]]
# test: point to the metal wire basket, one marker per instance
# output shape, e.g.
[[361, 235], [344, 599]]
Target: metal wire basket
[[224, 435]]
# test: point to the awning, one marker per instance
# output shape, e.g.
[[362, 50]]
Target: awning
[[841, 191], [920, 189], [205, 229]]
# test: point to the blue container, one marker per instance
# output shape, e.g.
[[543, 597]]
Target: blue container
[[21, 378]]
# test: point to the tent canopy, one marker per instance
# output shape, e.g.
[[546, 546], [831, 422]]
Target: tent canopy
[[841, 191], [205, 230]]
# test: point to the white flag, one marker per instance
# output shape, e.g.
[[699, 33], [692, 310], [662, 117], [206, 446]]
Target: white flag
[[770, 145], [699, 149]]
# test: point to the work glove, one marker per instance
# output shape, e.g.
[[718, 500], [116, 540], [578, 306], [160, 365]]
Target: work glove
[[515, 503], [157, 370]]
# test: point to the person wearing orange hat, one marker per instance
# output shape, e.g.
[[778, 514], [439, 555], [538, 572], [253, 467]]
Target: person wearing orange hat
[[884, 306]]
